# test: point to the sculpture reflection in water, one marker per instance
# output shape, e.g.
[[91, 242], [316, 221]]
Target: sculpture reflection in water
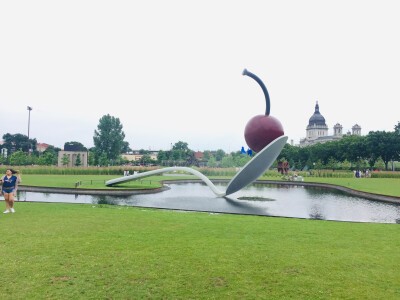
[[101, 199]]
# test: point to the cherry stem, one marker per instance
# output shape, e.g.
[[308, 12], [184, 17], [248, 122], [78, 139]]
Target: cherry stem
[[268, 102]]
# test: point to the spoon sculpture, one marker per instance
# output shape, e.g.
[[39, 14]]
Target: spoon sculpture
[[249, 173], [263, 134]]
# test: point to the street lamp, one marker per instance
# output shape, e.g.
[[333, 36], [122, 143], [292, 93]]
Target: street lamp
[[29, 118], [29, 123]]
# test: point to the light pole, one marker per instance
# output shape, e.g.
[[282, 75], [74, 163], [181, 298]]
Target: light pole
[[29, 123]]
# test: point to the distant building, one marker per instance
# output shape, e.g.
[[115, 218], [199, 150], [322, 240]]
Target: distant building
[[41, 147], [3, 150], [137, 157], [317, 130], [199, 155], [73, 156]]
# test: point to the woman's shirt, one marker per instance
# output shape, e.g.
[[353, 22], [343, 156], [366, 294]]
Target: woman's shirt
[[9, 182]]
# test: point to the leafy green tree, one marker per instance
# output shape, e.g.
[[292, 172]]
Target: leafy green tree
[[180, 146], [162, 156], [319, 165], [397, 128], [352, 148], [180, 152], [385, 145], [125, 147], [143, 151], [145, 159], [361, 164], [300, 157], [53, 150], [65, 160], [103, 160], [379, 164], [241, 160], [13, 142], [346, 165], [206, 155], [396, 142], [177, 154], [228, 161], [299, 165], [123, 160], [79, 145], [78, 161], [321, 152], [91, 158], [288, 151], [95, 156], [212, 162], [109, 137], [220, 154], [191, 159], [32, 159], [46, 159], [237, 153], [304, 157], [332, 164], [18, 158]]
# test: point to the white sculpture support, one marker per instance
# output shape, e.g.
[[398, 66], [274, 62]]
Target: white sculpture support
[[166, 170], [247, 175]]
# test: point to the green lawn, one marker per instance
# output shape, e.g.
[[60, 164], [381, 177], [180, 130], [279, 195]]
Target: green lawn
[[88, 181], [385, 186], [59, 251]]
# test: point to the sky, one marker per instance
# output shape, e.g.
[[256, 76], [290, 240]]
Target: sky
[[172, 70]]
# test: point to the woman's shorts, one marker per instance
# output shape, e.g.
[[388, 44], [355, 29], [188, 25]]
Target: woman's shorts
[[8, 191]]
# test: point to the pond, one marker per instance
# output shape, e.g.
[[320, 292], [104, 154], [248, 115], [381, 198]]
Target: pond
[[256, 199]]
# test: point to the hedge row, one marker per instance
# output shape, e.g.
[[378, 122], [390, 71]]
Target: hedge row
[[40, 170], [227, 172]]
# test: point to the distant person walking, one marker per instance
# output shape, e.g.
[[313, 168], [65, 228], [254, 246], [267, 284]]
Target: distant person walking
[[10, 184]]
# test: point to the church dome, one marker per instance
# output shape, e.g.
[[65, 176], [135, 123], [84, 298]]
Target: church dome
[[316, 118]]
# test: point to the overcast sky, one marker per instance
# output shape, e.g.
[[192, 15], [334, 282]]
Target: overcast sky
[[172, 70]]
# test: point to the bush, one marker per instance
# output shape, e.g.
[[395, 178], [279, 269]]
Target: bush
[[385, 174]]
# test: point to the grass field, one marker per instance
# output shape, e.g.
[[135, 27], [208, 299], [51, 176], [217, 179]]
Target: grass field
[[87, 181], [384, 186], [59, 251]]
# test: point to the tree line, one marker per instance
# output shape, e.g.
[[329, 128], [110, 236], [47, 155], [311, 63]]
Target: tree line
[[351, 151]]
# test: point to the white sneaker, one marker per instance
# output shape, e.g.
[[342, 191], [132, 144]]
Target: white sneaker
[[6, 212], [12, 210]]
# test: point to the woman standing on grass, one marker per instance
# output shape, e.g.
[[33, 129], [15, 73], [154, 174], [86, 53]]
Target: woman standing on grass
[[10, 184]]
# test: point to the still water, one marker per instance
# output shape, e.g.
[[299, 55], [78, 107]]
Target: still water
[[275, 200]]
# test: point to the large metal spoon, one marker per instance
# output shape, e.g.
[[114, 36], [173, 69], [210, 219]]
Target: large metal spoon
[[248, 174]]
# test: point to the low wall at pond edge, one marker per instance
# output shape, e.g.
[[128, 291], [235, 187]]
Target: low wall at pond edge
[[100, 192], [126, 192]]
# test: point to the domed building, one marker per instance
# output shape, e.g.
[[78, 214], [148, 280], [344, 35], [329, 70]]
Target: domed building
[[317, 130], [317, 127]]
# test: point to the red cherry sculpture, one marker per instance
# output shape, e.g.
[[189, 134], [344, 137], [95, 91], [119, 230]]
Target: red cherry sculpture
[[262, 129]]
